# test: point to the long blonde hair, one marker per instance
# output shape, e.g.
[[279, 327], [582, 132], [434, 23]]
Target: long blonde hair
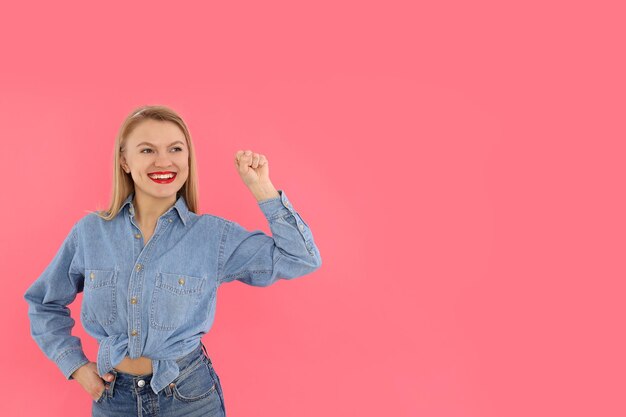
[[123, 183]]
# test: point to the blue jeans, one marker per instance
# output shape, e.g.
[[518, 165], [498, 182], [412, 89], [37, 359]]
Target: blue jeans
[[195, 392]]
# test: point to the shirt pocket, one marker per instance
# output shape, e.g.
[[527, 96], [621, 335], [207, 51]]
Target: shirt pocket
[[99, 302], [174, 297]]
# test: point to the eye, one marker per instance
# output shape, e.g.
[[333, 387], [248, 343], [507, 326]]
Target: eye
[[179, 149]]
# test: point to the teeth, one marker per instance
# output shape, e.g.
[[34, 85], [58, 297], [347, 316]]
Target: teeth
[[162, 177]]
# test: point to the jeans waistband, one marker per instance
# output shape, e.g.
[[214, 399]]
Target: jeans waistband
[[122, 378]]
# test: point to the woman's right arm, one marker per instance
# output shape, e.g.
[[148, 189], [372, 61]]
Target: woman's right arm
[[48, 297]]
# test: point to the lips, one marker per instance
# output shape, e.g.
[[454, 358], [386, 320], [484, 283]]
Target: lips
[[162, 177]]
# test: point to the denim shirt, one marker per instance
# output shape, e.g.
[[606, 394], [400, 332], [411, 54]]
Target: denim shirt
[[157, 299]]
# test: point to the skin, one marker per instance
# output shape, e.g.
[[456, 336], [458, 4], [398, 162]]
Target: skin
[[152, 200]]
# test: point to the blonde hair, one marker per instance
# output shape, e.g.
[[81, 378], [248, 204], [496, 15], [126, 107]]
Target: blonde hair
[[123, 183]]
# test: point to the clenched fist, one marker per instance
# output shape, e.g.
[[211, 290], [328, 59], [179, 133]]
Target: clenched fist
[[252, 167], [254, 170]]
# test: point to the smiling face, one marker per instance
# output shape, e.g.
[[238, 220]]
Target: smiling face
[[156, 155]]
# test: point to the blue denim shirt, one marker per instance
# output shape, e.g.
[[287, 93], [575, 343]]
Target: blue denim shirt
[[157, 299]]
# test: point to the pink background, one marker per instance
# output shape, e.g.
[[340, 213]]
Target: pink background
[[461, 165]]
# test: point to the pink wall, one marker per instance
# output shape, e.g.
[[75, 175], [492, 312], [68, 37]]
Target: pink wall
[[461, 165]]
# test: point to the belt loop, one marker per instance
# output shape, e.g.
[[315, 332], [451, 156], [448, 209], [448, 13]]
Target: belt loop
[[205, 352], [168, 389], [112, 383]]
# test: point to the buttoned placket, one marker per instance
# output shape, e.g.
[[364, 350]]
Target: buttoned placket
[[137, 276]]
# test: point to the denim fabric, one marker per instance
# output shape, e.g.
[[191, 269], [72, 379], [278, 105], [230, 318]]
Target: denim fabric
[[157, 299], [196, 392]]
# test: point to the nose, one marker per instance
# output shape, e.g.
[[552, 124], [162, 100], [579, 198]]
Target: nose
[[162, 161]]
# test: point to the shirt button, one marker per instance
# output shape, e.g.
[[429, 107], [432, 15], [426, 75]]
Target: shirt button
[[138, 267], [133, 333], [92, 275], [301, 227], [133, 300], [181, 281], [141, 383], [137, 235], [169, 220]]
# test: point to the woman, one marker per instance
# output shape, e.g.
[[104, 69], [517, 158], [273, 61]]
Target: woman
[[149, 268]]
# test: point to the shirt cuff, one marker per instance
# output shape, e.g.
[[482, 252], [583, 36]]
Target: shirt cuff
[[71, 360], [276, 206]]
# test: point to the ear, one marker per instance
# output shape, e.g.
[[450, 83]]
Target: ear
[[124, 165]]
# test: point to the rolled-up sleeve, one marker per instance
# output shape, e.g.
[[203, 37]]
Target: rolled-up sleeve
[[48, 297], [257, 259]]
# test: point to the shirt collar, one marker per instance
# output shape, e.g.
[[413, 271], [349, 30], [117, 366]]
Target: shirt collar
[[180, 206]]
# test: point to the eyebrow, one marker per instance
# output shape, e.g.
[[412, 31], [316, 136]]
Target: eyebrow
[[149, 144]]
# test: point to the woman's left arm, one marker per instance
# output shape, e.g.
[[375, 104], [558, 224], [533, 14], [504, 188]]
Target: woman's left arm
[[258, 259], [254, 257]]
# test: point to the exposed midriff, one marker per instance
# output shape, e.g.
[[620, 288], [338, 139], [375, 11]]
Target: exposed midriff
[[139, 366]]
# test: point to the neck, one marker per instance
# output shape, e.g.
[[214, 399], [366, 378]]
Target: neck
[[148, 209]]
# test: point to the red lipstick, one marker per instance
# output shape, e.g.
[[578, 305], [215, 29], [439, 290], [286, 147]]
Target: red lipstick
[[163, 179]]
